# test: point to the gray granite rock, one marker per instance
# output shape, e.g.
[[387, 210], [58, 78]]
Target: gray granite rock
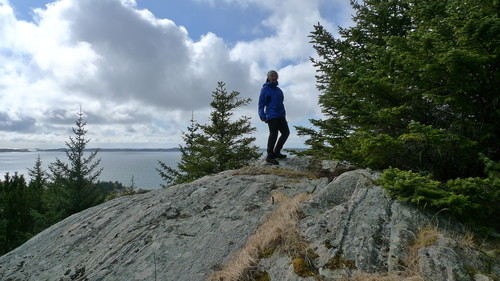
[[191, 230]]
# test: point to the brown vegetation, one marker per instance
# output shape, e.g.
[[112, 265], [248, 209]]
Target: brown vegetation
[[278, 232]]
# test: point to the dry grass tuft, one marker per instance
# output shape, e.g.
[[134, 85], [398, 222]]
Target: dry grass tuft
[[279, 231], [468, 239], [426, 237]]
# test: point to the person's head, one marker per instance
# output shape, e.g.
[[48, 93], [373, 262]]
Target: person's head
[[272, 76]]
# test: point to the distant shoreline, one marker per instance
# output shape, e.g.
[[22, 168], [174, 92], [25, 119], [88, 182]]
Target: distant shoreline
[[174, 149]]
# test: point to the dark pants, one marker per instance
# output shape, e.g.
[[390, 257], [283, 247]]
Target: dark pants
[[277, 125]]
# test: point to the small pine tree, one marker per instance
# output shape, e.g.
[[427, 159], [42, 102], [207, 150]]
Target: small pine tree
[[38, 182], [225, 139], [77, 179], [217, 146], [187, 169], [37, 196]]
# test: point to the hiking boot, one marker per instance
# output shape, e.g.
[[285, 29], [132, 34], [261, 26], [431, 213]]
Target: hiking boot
[[279, 156], [271, 160]]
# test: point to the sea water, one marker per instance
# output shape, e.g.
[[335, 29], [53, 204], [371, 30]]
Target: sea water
[[127, 167]]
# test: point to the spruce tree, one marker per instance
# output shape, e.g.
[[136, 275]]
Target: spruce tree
[[15, 216], [225, 138], [188, 168], [37, 184], [220, 145], [413, 85], [76, 179]]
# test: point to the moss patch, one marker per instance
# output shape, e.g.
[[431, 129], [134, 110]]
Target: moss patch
[[328, 244], [301, 268], [260, 275], [266, 253], [338, 262]]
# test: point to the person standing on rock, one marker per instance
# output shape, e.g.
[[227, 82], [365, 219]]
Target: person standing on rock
[[272, 111]]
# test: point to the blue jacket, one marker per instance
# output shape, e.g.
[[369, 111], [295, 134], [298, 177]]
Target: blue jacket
[[271, 102]]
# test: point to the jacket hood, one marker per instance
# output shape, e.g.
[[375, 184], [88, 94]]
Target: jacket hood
[[270, 84]]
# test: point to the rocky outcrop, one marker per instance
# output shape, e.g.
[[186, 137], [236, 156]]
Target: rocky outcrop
[[191, 231]]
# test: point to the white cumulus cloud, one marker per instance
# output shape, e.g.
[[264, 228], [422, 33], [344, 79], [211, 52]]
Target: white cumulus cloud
[[139, 77]]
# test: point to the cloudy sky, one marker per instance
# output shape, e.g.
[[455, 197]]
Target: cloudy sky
[[140, 68]]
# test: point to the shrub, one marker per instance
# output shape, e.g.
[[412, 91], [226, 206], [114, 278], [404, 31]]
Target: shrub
[[472, 200]]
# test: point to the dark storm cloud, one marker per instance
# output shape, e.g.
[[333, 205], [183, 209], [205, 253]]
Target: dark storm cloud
[[21, 124]]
